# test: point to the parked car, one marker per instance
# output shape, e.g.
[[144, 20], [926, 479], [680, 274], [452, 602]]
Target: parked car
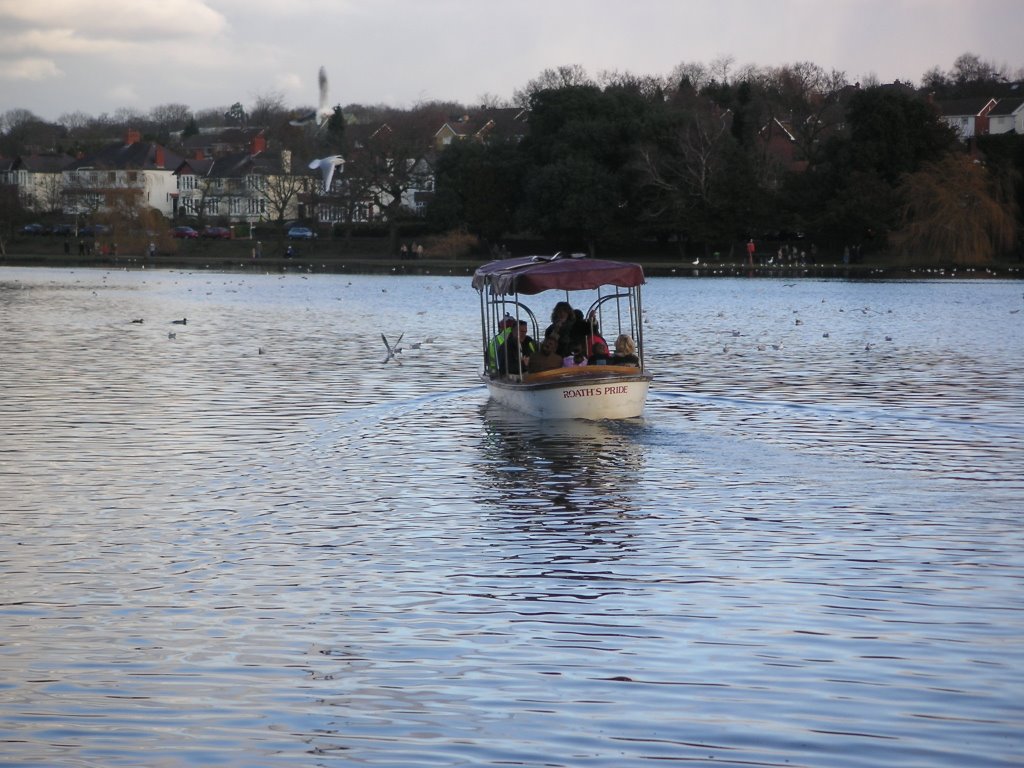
[[33, 229], [301, 233], [94, 230], [216, 233], [63, 229], [184, 233]]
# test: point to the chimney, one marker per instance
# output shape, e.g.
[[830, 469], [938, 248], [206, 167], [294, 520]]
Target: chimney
[[132, 136], [258, 144], [198, 155], [286, 161], [158, 160]]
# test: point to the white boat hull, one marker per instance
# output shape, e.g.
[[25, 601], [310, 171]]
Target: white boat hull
[[585, 393]]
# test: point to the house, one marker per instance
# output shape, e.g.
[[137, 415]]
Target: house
[[968, 117], [131, 168], [252, 185], [1007, 116], [37, 178], [493, 124]]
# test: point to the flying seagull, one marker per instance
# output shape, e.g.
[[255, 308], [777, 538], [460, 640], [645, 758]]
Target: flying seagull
[[394, 351], [327, 166], [322, 112]]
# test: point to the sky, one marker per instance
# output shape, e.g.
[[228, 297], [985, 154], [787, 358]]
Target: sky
[[98, 56]]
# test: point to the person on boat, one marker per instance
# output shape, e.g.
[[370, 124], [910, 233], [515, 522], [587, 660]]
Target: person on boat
[[547, 357], [563, 320], [504, 329], [586, 332], [599, 354], [577, 359], [527, 346], [625, 351], [514, 352]]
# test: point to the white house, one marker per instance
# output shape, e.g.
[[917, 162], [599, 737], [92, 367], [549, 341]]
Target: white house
[[1007, 117], [91, 183], [968, 117], [37, 179]]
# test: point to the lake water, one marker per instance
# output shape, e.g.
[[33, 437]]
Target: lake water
[[257, 544]]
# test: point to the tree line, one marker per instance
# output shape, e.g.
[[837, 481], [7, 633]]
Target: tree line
[[693, 163]]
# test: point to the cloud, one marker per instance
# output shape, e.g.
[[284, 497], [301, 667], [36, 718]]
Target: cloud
[[29, 69], [114, 18], [61, 41]]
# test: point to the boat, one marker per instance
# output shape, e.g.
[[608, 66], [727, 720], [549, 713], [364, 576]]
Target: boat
[[612, 292]]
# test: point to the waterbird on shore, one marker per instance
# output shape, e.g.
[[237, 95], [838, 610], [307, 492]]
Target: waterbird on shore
[[326, 166], [322, 112]]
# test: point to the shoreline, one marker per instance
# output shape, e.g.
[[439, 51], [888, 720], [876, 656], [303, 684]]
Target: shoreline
[[375, 265]]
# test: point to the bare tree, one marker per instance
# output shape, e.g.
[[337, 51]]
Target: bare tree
[[171, 116], [806, 98], [680, 177], [720, 68], [565, 76], [690, 76], [13, 119], [646, 85], [51, 192], [267, 109], [969, 68], [74, 121], [282, 191]]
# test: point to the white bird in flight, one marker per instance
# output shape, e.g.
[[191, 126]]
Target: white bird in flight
[[326, 165], [322, 112]]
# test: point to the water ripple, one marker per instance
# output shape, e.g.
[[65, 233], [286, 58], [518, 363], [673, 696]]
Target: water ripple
[[257, 544]]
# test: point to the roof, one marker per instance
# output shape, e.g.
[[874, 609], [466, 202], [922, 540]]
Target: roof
[[140, 156], [535, 274], [237, 165], [1007, 106], [45, 163], [964, 107]]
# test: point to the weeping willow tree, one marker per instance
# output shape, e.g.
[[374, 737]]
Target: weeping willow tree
[[956, 210]]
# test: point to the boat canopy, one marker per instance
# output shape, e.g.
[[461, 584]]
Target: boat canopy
[[535, 274]]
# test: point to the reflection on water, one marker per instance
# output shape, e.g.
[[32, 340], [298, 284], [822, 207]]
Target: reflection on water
[[256, 543]]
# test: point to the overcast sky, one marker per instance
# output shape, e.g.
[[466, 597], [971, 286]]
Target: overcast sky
[[96, 56]]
